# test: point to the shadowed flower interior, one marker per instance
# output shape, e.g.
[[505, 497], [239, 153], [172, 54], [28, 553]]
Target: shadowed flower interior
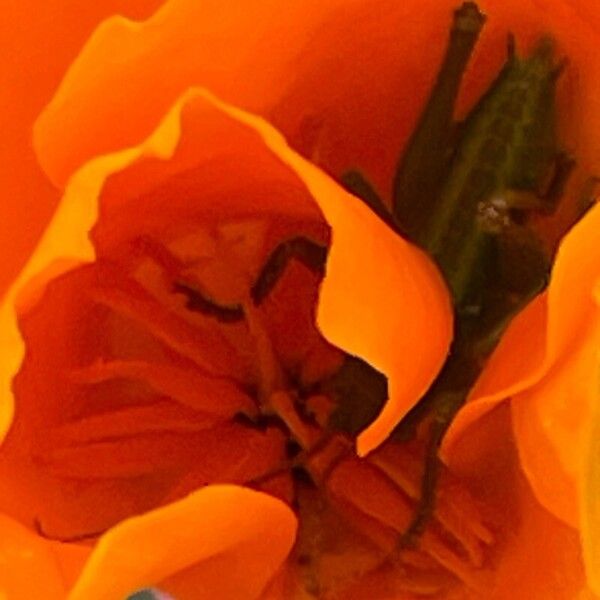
[[183, 350], [187, 354], [141, 395], [149, 396]]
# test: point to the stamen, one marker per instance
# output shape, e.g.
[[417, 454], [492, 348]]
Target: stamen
[[311, 254], [281, 403], [157, 417], [122, 458], [371, 492], [271, 376], [403, 582], [456, 511], [226, 452], [220, 398], [196, 302], [207, 348]]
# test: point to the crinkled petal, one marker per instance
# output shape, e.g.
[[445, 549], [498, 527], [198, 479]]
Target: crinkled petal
[[239, 49], [219, 542], [589, 477]]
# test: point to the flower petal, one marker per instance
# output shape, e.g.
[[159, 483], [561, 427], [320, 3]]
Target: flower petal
[[265, 35], [281, 60], [226, 541], [590, 492], [536, 555], [585, 439], [64, 243], [370, 266], [551, 423], [23, 554], [39, 42]]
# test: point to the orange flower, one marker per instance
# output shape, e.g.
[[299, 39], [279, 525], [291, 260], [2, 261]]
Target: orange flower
[[65, 457], [217, 188]]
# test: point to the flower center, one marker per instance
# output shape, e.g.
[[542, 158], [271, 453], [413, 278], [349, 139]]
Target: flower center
[[196, 361], [361, 505]]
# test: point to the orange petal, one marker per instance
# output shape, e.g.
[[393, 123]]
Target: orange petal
[[541, 557], [240, 49], [588, 9], [536, 554], [282, 61], [220, 542], [27, 565], [39, 41], [590, 492], [408, 312], [556, 425], [551, 423]]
